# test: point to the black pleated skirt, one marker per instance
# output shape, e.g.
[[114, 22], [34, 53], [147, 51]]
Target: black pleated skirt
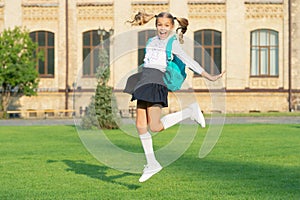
[[150, 87]]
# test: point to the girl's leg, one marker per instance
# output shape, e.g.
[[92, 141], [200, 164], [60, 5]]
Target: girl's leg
[[193, 111], [145, 136], [154, 118], [152, 166]]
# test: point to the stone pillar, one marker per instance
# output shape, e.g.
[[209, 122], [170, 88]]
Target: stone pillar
[[124, 42], [12, 13], [295, 45], [236, 47]]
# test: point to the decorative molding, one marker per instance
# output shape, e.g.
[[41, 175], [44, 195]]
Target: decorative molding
[[264, 1], [264, 83], [95, 12], [39, 2], [212, 11], [258, 11], [40, 13], [150, 8], [195, 2], [151, 2], [79, 4]]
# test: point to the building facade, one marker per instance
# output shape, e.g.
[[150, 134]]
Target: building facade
[[253, 40]]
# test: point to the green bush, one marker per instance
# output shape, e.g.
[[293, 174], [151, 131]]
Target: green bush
[[102, 111]]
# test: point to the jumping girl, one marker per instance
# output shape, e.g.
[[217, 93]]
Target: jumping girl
[[151, 92]]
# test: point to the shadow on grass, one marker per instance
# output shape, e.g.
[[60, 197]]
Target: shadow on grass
[[96, 172], [244, 176]]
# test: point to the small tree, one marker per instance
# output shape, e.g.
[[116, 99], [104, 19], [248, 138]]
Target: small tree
[[18, 75], [103, 104]]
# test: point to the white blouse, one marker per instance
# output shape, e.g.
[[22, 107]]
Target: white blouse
[[156, 55]]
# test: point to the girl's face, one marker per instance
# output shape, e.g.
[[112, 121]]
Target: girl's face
[[164, 27]]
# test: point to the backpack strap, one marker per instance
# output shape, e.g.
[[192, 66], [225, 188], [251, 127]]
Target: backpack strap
[[169, 48]]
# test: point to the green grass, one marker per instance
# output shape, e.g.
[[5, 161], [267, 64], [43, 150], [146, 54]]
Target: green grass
[[249, 162], [258, 114]]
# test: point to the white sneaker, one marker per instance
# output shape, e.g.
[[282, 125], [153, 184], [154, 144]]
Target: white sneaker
[[149, 171], [197, 114]]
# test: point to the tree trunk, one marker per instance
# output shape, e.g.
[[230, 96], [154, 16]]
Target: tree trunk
[[5, 97]]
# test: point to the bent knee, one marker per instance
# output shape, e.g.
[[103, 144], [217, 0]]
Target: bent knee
[[155, 127]]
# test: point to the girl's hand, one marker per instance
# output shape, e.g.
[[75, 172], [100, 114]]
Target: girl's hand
[[212, 77]]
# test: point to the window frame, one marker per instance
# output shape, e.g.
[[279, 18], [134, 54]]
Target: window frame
[[146, 34], [212, 47], [94, 45], [46, 49], [268, 47]]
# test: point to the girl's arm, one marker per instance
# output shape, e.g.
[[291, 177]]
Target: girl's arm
[[192, 64], [212, 77]]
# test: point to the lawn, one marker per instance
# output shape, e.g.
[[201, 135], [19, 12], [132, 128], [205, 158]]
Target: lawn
[[253, 161]]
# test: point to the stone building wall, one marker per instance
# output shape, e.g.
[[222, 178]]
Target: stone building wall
[[235, 19]]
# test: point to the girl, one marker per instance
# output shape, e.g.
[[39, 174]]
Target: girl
[[151, 92]]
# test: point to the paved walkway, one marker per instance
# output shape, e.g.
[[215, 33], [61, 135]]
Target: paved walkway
[[228, 120]]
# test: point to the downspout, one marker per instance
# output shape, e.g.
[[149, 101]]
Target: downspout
[[67, 58], [290, 56]]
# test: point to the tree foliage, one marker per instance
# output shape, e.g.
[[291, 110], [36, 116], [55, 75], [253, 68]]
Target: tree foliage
[[18, 74], [102, 111]]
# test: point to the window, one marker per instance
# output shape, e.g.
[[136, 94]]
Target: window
[[45, 42], [142, 41], [264, 53], [91, 41], [207, 50]]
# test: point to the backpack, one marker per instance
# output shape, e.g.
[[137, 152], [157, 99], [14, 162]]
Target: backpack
[[175, 71]]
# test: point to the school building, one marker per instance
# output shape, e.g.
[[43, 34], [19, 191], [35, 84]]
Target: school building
[[255, 41]]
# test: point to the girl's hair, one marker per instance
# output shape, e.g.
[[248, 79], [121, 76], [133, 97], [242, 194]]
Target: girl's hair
[[142, 18]]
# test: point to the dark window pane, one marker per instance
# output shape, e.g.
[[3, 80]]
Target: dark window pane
[[142, 38], [198, 55], [198, 37], [95, 60], [41, 67], [86, 66], [51, 61], [42, 38], [50, 39], [32, 36], [141, 55], [207, 61], [217, 38], [96, 38], [150, 34], [86, 39], [207, 38], [217, 59], [86, 52]]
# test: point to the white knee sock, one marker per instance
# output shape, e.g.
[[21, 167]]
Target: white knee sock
[[146, 140], [174, 118]]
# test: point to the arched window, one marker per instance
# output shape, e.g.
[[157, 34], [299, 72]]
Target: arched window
[[208, 50], [264, 53], [91, 44], [143, 37], [46, 44]]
